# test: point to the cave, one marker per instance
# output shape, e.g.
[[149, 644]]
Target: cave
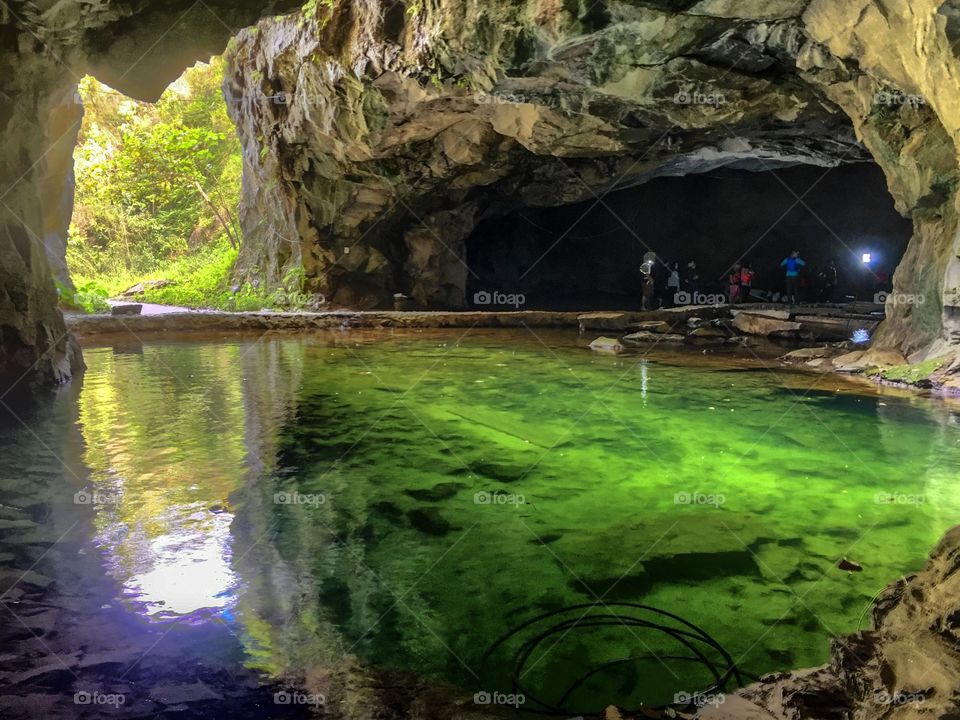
[[473, 476], [587, 256]]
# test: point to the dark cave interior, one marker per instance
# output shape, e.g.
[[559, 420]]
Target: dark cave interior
[[588, 255]]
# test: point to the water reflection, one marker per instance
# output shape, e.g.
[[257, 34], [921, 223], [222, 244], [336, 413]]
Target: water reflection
[[164, 445]]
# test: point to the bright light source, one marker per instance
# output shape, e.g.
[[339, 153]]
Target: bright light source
[[867, 258], [860, 336]]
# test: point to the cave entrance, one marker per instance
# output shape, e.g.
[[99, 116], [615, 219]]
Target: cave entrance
[[157, 187], [588, 255]]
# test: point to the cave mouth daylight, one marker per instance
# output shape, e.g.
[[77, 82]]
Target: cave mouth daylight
[[586, 256]]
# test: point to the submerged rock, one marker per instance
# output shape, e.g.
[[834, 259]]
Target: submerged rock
[[906, 667], [606, 344]]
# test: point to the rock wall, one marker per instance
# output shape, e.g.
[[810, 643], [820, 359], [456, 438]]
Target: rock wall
[[374, 142], [892, 66], [45, 48]]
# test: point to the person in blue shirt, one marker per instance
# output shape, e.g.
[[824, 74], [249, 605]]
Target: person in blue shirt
[[793, 265]]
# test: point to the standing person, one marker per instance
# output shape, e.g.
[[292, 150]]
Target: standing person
[[734, 282], [746, 282], [673, 285], [827, 280], [646, 284], [793, 263], [691, 278]]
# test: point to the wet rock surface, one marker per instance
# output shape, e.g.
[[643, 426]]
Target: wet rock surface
[[907, 666]]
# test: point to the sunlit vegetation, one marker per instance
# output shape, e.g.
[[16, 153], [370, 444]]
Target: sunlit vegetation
[[157, 191]]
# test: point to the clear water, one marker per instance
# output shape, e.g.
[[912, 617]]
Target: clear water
[[409, 499]]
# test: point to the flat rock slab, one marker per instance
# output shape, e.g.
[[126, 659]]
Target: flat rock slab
[[131, 309], [761, 325], [643, 338], [653, 326], [762, 312], [810, 353], [605, 321]]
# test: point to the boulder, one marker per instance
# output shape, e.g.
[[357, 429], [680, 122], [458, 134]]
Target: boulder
[[606, 344], [753, 324]]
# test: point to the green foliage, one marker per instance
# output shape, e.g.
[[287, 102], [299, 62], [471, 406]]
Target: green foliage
[[155, 183], [88, 297]]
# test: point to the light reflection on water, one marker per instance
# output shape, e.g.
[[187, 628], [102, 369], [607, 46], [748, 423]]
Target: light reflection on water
[[165, 449]]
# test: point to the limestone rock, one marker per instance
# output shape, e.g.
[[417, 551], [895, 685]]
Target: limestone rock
[[761, 325], [811, 353], [653, 326], [883, 359], [763, 312], [850, 362], [603, 321], [606, 344]]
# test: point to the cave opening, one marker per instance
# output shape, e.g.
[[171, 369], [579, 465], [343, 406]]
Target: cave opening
[[156, 195], [587, 256]]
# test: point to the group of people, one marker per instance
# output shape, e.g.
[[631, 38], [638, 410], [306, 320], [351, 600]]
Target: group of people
[[666, 284]]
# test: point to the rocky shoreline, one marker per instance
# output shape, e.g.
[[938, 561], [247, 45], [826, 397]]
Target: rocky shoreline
[[907, 666], [809, 338]]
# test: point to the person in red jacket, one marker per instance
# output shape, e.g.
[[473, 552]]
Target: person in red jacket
[[746, 282]]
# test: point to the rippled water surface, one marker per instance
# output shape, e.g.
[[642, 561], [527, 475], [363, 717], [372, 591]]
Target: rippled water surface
[[409, 499]]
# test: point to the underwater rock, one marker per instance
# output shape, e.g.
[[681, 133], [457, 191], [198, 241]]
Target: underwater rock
[[906, 667], [429, 521], [849, 565], [606, 344], [440, 491]]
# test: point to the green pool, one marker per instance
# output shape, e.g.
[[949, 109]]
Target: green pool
[[407, 499]]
